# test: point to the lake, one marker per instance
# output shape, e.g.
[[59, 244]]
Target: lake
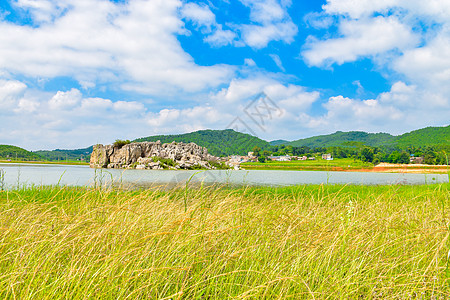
[[45, 174]]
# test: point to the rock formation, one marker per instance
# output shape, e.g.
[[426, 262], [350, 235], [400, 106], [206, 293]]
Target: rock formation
[[152, 155]]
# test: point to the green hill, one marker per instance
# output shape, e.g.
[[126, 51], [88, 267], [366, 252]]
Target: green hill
[[345, 139], [8, 152], [60, 154], [278, 142], [430, 136], [218, 142]]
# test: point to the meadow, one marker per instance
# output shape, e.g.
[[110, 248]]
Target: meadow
[[310, 165], [302, 242]]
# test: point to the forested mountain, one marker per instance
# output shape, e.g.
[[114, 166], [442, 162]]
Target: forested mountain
[[345, 139], [218, 142], [430, 136], [60, 154], [12, 153], [278, 142]]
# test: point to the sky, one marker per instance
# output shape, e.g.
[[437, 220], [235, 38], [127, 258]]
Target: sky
[[77, 73]]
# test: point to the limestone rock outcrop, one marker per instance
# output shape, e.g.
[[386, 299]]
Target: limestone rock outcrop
[[152, 155]]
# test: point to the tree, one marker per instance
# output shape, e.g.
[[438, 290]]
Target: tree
[[266, 153], [367, 154], [394, 157], [256, 151], [262, 159], [403, 158]]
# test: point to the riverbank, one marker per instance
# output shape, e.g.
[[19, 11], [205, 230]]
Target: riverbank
[[347, 165], [313, 241], [70, 163]]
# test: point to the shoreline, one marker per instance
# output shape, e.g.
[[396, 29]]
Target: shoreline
[[43, 162], [381, 168]]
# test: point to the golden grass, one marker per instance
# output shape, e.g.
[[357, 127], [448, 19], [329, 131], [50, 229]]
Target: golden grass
[[306, 242]]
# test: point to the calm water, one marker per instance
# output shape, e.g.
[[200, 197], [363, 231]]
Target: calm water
[[41, 174]]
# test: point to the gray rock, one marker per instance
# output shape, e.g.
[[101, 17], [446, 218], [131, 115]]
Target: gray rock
[[141, 155]]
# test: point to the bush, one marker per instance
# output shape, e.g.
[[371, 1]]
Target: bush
[[218, 165], [120, 143], [165, 162]]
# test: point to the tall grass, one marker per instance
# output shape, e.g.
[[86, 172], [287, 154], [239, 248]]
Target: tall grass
[[322, 242]]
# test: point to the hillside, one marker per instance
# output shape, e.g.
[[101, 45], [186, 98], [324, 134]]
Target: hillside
[[430, 136], [345, 139], [60, 154], [218, 142], [278, 142], [8, 152]]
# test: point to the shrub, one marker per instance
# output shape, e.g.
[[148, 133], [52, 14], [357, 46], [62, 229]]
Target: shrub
[[120, 143], [218, 165]]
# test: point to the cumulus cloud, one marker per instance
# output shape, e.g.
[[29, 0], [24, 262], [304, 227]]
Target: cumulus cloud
[[360, 38], [430, 63], [438, 9], [200, 15], [220, 37], [407, 39], [65, 100], [397, 111], [82, 43], [66, 118], [204, 19], [271, 23], [42, 11], [10, 92]]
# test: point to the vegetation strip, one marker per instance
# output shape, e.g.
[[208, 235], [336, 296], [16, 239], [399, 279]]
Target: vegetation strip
[[316, 241]]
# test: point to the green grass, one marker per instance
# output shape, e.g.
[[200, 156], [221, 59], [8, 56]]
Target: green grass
[[318, 164], [302, 242], [62, 162]]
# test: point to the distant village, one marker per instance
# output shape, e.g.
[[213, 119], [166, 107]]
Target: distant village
[[236, 160]]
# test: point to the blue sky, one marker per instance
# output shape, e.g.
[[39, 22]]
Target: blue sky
[[75, 73]]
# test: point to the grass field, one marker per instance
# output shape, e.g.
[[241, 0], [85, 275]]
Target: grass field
[[61, 162], [313, 165], [304, 242]]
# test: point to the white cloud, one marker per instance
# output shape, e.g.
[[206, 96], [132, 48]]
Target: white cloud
[[402, 109], [27, 106], [220, 37], [258, 36], [82, 43], [10, 92], [42, 10], [404, 38], [430, 63], [205, 20], [65, 100], [278, 61], [357, 9], [249, 62], [360, 38], [318, 20], [265, 11], [200, 15], [66, 119], [272, 23], [438, 9]]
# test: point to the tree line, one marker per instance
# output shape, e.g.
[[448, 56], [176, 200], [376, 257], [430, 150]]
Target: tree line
[[432, 155]]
